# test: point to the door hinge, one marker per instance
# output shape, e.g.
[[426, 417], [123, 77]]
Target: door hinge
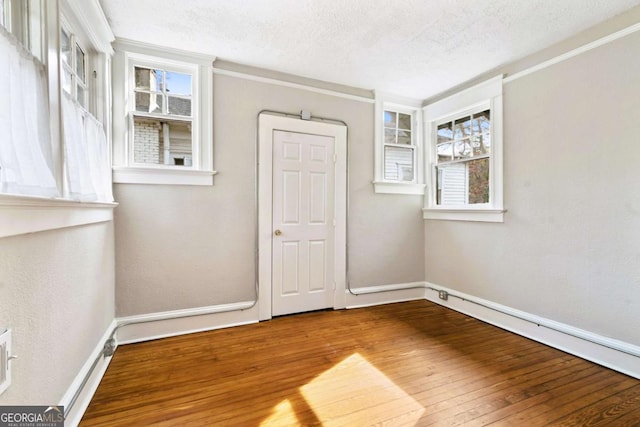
[[335, 157], [334, 222]]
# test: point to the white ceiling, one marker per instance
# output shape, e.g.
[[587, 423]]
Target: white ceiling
[[413, 48]]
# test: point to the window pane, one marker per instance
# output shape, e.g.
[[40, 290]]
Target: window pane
[[178, 83], [404, 121], [179, 106], [147, 134], [404, 137], [66, 80], [142, 78], [481, 144], [398, 163], [445, 132], [482, 122], [478, 181], [452, 184], [179, 150], [463, 183], [462, 149], [162, 142], [80, 66], [149, 102], [462, 127], [65, 47], [148, 79], [81, 95], [389, 136], [444, 152], [390, 119]]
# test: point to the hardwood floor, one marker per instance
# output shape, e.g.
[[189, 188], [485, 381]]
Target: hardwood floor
[[413, 363]]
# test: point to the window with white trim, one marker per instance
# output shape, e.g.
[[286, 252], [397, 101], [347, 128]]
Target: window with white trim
[[167, 134], [463, 157], [464, 134], [55, 151], [162, 117], [398, 149], [24, 19], [74, 60]]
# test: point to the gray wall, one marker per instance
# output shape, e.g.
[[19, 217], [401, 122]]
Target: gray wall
[[569, 249], [57, 295], [181, 246]]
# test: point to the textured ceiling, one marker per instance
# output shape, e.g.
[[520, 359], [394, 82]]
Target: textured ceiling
[[413, 48]]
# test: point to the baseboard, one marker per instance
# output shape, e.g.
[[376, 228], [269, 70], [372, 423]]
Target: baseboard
[[617, 355], [385, 294], [146, 327], [86, 393]]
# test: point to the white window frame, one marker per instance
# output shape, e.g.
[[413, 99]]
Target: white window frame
[[486, 95], [77, 41], [406, 106], [25, 20], [130, 54], [28, 214]]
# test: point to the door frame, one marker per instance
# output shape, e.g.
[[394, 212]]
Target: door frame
[[267, 124]]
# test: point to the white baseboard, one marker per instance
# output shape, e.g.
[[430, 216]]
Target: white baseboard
[[386, 294], [180, 322], [75, 414], [617, 355]]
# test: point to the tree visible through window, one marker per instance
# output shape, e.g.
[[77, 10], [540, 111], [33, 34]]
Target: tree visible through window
[[463, 147]]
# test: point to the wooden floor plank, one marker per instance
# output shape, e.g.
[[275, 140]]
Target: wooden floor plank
[[413, 363]]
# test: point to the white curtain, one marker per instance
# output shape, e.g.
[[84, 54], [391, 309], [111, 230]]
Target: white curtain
[[26, 162], [99, 162], [86, 153]]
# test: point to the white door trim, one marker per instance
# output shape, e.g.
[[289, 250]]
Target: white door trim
[[266, 125]]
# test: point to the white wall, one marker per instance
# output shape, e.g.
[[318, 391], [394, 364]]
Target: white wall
[[182, 247], [569, 249], [57, 295]]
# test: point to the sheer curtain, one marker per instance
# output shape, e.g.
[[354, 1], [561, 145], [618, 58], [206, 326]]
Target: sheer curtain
[[26, 164], [86, 154]]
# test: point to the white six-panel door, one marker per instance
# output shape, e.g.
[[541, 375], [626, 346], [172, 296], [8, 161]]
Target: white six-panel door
[[303, 222]]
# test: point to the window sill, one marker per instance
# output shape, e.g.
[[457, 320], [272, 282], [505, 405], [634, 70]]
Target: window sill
[[479, 215], [28, 214], [382, 187], [161, 176]]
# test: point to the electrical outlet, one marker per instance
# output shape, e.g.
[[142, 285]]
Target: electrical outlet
[[443, 295]]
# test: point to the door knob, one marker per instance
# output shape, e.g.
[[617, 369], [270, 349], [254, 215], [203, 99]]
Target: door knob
[[277, 232]]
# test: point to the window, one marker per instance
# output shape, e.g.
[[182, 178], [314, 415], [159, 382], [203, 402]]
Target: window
[[399, 149], [398, 143], [55, 155], [465, 155], [24, 20], [167, 134], [2, 12], [162, 117], [74, 67]]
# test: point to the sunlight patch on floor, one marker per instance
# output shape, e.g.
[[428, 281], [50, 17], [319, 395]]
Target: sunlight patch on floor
[[352, 393], [283, 415]]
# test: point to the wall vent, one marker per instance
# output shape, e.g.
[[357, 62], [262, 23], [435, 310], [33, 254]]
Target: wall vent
[[5, 358]]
